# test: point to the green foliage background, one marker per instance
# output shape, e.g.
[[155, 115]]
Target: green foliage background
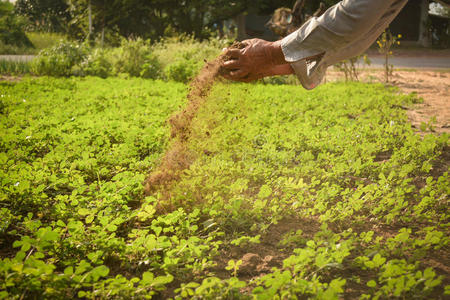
[[11, 27], [177, 58], [148, 19]]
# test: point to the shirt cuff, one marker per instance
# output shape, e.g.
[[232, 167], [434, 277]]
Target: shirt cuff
[[295, 47]]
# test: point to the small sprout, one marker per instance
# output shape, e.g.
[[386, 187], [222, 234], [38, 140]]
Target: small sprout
[[233, 266]]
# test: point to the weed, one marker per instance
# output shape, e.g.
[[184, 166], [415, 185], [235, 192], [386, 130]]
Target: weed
[[385, 44]]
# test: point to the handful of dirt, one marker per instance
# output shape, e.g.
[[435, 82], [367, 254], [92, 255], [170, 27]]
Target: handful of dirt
[[223, 58]]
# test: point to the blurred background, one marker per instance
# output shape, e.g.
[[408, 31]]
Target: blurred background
[[38, 23]]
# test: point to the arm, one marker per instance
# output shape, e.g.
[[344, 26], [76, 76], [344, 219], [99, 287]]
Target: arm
[[343, 31]]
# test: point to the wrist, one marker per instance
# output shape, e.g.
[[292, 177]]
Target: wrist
[[275, 53]]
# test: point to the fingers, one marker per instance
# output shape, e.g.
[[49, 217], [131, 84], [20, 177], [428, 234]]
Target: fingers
[[231, 64], [233, 53], [245, 64], [239, 73]]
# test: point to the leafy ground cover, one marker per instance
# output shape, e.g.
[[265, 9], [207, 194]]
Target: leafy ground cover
[[292, 194]]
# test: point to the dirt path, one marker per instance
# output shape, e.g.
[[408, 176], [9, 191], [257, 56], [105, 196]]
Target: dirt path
[[433, 86]]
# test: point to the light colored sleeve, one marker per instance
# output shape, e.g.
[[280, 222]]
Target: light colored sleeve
[[345, 30]]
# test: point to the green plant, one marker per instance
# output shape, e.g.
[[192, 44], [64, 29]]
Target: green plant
[[385, 43], [182, 70], [151, 67], [12, 27], [96, 63], [182, 57], [58, 60], [135, 58], [233, 266], [182, 47]]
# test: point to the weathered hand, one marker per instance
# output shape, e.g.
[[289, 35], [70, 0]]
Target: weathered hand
[[258, 59]]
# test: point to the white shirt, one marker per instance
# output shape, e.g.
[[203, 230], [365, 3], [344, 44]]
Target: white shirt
[[345, 30]]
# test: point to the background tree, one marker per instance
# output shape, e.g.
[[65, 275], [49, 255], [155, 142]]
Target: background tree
[[11, 27], [149, 19], [267, 7], [44, 15]]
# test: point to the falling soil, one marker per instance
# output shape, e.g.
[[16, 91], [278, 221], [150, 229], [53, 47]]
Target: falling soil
[[178, 157]]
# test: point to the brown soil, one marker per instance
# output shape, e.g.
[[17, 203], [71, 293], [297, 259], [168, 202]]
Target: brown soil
[[432, 86], [258, 259], [10, 78], [178, 157]]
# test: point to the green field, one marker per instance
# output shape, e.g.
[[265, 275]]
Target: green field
[[292, 194]]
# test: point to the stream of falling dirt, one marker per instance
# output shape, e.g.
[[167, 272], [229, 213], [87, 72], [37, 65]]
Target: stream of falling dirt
[[178, 158]]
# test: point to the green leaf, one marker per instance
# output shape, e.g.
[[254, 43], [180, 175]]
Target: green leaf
[[89, 219], [17, 244], [61, 223], [147, 278], [81, 294], [83, 211], [311, 244], [49, 235], [68, 271], [25, 246], [111, 227], [100, 271], [378, 260], [265, 191], [157, 230], [162, 280], [371, 284]]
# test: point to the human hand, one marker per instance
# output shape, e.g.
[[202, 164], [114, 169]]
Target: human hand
[[258, 59]]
